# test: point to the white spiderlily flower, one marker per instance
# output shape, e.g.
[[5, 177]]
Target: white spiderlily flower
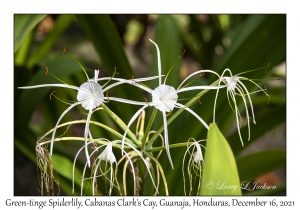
[[164, 98], [90, 95], [236, 88], [108, 156], [195, 164]]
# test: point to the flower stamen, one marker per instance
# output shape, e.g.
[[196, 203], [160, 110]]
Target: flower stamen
[[64, 50], [51, 94]]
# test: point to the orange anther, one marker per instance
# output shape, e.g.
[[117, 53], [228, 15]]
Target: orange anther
[[64, 50], [199, 100], [51, 95], [116, 71]]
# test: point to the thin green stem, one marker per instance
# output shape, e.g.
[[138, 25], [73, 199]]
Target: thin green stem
[[141, 133], [149, 125], [78, 139], [189, 103], [161, 171], [91, 122], [156, 149], [120, 123]]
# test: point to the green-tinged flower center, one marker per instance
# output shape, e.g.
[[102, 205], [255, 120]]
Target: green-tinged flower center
[[164, 97], [231, 82], [91, 94]]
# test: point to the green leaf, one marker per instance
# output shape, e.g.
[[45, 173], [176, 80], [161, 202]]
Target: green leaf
[[23, 25], [170, 50], [257, 164], [65, 167], [22, 55], [101, 31], [220, 174], [62, 22]]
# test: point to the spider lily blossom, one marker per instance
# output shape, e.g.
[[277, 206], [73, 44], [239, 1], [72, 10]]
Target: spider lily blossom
[[164, 98], [90, 95], [195, 164], [107, 156], [236, 87]]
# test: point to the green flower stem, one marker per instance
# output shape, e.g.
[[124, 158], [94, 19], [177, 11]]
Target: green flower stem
[[124, 174], [149, 125], [141, 133], [91, 122], [156, 149], [161, 171], [121, 124], [79, 139], [189, 103]]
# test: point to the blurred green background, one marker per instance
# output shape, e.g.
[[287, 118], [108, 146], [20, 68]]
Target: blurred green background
[[239, 42]]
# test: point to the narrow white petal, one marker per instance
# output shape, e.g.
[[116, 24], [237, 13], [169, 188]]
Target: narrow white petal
[[246, 107], [73, 169], [131, 82], [50, 85], [96, 74], [193, 113], [127, 101], [249, 98], [143, 87], [144, 163], [158, 61], [215, 103], [205, 87], [143, 79], [129, 124], [86, 131], [166, 138], [111, 180], [61, 116], [236, 114], [197, 72]]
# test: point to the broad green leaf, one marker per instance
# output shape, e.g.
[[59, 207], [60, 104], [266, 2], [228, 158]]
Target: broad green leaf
[[60, 25], [23, 53], [167, 39], [23, 25], [101, 31], [257, 164], [220, 174], [64, 166]]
